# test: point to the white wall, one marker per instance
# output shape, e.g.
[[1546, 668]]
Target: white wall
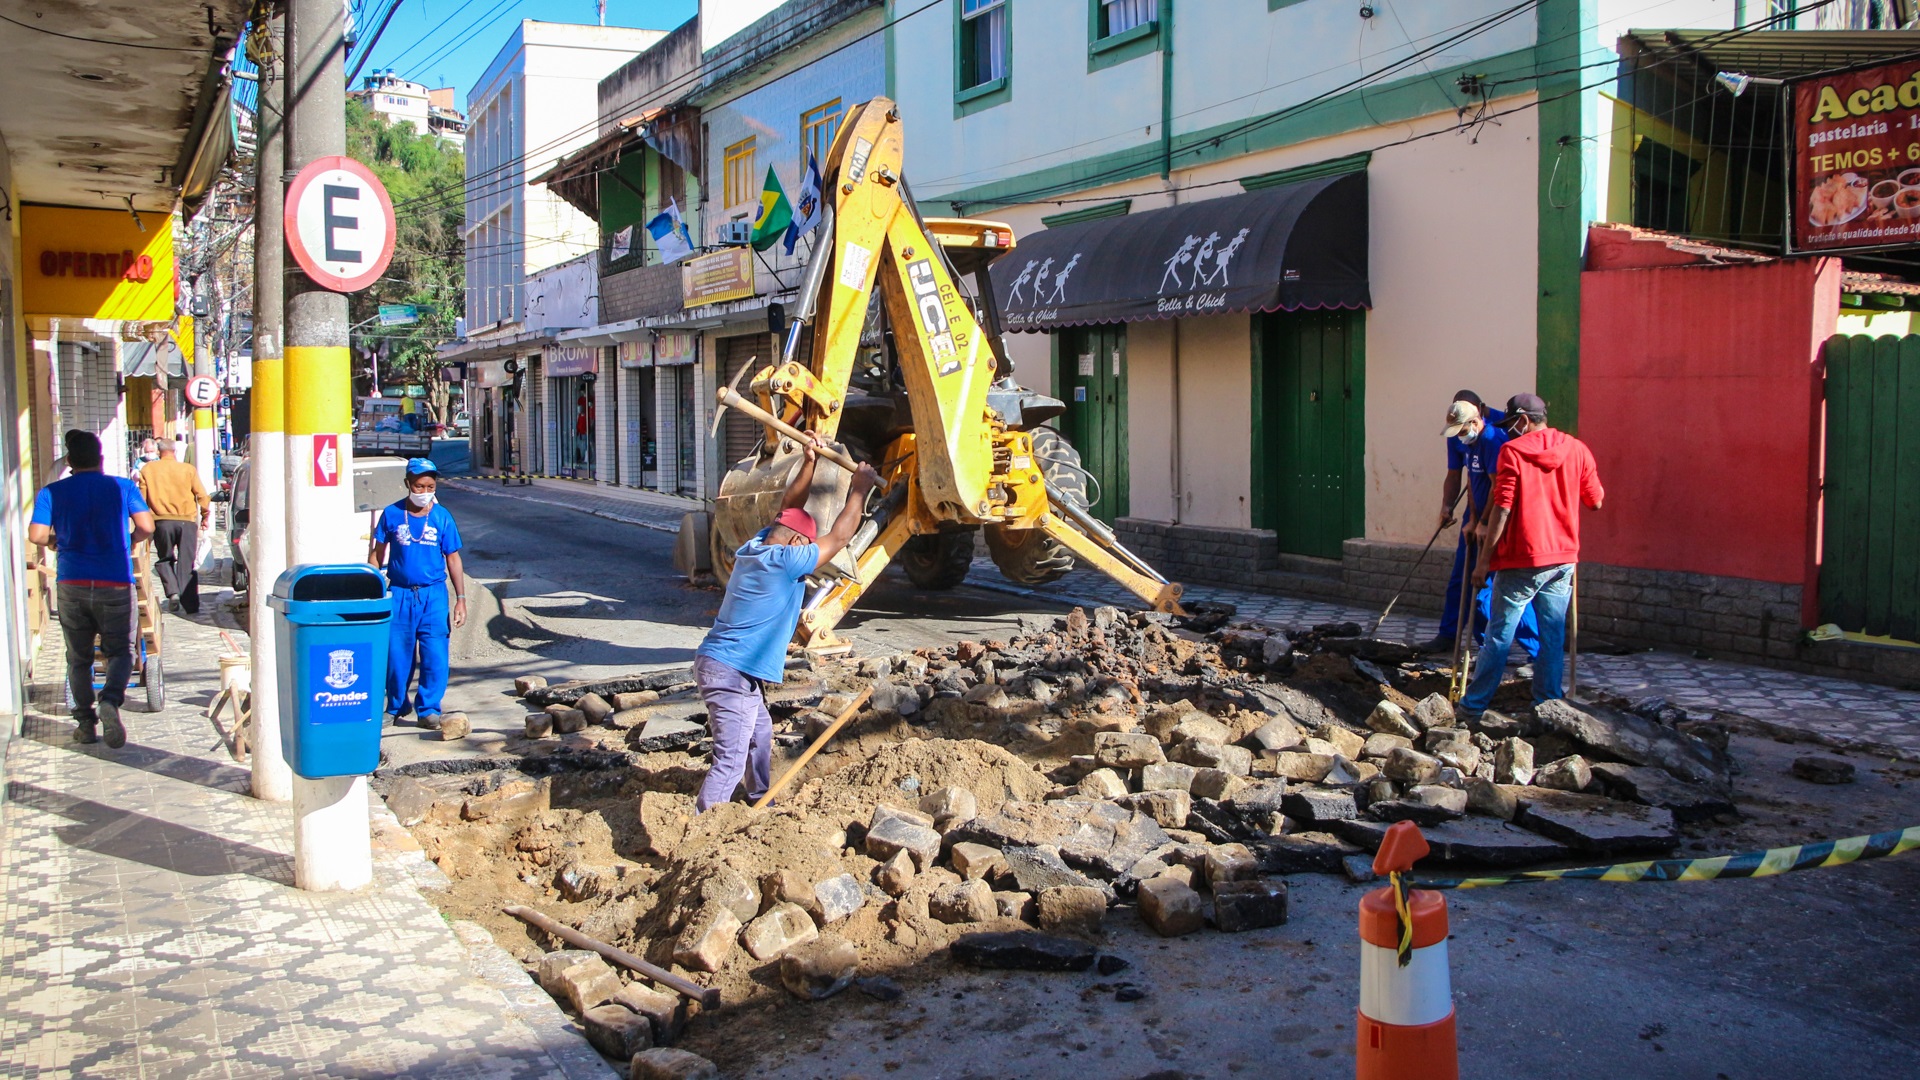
[[721, 19]]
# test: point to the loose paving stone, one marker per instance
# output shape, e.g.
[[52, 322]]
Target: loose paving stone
[[1596, 824], [1320, 804], [1071, 908], [1023, 950], [1014, 905], [538, 726], [1823, 770], [1167, 808], [663, 734], [1344, 739], [1513, 762], [1410, 766], [526, 684], [963, 902], [1388, 718], [1570, 773], [617, 1031], [1124, 750], [836, 898], [1635, 739], [1209, 754], [1309, 852], [666, 1011], [1424, 814], [664, 1064], [1036, 868], [1239, 906], [782, 927], [1167, 776], [819, 969], [1231, 862], [896, 874], [1280, 733], [1470, 841], [596, 707], [1216, 784], [1305, 768], [1102, 784], [976, 861], [1171, 908], [1491, 799], [894, 832], [1657, 787], [634, 699], [708, 939]]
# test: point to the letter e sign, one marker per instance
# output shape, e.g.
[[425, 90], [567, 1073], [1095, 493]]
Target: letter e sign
[[339, 224]]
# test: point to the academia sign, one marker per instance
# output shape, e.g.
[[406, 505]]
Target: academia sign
[[1854, 158]]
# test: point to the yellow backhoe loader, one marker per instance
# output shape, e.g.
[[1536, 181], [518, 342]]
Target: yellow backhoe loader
[[920, 387]]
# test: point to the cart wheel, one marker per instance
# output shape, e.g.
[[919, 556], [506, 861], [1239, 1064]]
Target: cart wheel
[[154, 678]]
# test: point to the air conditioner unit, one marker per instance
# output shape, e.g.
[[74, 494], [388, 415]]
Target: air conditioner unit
[[736, 233]]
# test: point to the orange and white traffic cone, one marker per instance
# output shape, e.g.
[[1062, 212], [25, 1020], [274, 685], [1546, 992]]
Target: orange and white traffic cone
[[1406, 995]]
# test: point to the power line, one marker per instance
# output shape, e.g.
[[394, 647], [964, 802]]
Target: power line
[[368, 51]]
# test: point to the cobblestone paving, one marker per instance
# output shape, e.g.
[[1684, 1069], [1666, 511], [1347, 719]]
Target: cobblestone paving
[[152, 930]]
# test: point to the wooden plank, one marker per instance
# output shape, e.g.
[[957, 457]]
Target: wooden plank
[[1904, 617], [1833, 531], [1883, 455]]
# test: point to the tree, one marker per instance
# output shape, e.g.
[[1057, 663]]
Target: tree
[[425, 176]]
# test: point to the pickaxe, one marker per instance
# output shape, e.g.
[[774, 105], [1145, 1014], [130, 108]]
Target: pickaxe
[[730, 398]]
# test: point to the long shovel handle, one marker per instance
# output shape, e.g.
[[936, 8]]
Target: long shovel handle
[[838, 722], [731, 399]]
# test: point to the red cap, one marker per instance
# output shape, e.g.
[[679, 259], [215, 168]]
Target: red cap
[[798, 520]]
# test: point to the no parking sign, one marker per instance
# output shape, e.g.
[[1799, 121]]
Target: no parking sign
[[339, 223]]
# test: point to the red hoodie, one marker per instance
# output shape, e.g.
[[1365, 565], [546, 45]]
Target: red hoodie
[[1542, 478]]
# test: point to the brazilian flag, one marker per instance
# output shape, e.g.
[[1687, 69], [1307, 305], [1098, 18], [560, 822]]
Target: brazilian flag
[[776, 213]]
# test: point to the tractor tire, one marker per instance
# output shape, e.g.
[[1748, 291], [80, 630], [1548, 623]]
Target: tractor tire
[[1030, 556], [937, 560]]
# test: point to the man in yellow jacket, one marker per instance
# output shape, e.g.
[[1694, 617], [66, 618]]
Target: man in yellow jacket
[[173, 491]]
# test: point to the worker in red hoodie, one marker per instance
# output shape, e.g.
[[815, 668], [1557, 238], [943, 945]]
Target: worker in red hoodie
[[1531, 545]]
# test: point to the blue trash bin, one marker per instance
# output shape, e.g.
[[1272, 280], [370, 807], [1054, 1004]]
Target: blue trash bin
[[331, 627]]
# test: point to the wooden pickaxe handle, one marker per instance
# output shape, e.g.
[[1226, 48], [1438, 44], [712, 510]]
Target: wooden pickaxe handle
[[838, 723], [731, 399]]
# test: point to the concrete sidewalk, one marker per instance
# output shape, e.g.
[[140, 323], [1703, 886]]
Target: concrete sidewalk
[[1785, 704], [152, 930]]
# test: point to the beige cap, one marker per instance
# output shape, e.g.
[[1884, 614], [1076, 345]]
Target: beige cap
[[1459, 415]]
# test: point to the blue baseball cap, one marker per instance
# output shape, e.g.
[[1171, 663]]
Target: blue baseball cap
[[421, 466]]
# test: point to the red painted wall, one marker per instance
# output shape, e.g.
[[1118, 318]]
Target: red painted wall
[[1700, 394]]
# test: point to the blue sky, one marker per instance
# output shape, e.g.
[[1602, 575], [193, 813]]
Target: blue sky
[[450, 42]]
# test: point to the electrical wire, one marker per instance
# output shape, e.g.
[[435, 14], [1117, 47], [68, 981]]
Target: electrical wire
[[368, 51]]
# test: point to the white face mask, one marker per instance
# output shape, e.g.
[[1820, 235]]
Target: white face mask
[[1471, 435], [421, 499]]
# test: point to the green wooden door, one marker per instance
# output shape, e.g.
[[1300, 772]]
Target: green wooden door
[[1309, 436], [1091, 371], [1870, 514]]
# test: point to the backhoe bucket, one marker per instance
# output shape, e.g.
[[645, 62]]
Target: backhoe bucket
[[750, 497]]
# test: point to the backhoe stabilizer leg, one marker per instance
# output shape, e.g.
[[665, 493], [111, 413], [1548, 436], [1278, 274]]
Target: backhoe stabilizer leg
[[1158, 595], [818, 620]]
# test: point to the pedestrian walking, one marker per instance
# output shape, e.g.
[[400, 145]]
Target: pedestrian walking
[[747, 646], [92, 520], [418, 542], [1532, 546], [149, 451], [1474, 438], [181, 508]]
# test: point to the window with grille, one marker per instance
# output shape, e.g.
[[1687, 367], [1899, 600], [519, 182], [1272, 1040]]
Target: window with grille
[[737, 169], [983, 42], [818, 126], [1119, 16]]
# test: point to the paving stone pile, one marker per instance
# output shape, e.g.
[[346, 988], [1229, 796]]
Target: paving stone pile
[[1001, 799]]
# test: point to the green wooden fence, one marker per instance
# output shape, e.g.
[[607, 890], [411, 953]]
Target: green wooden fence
[[1870, 553]]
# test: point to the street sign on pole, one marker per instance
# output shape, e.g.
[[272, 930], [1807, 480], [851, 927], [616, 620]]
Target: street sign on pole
[[339, 223], [399, 314], [202, 391], [326, 461]]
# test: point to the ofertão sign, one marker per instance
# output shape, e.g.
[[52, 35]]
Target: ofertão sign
[[1855, 159]]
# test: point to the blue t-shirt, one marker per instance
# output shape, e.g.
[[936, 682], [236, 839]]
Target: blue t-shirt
[[417, 547], [762, 607], [1457, 450], [89, 513], [1482, 458]]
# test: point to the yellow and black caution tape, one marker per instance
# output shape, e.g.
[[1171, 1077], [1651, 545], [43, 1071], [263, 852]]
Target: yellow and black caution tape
[[1750, 864]]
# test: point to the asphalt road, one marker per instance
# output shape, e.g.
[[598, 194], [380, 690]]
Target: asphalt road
[[1811, 975]]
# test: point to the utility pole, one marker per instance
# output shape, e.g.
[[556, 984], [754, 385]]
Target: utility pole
[[203, 346], [267, 470], [331, 847]]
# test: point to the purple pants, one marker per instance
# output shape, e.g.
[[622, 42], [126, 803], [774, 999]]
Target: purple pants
[[742, 732]]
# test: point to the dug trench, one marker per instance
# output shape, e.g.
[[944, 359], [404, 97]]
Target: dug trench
[[1015, 804]]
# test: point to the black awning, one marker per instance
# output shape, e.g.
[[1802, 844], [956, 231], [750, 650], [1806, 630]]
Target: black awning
[[143, 358], [1299, 245]]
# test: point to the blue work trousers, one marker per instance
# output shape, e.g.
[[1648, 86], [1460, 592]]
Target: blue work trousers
[[742, 733], [418, 643], [1528, 636], [1545, 591]]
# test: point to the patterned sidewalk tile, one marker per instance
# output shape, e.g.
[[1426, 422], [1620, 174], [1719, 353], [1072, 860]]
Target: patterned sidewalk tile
[[152, 931]]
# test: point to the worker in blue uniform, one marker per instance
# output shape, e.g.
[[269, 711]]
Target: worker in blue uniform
[[417, 542]]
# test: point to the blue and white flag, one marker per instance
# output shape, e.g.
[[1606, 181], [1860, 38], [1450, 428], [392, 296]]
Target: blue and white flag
[[806, 208], [670, 234]]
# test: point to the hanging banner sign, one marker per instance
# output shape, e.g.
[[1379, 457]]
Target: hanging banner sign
[[635, 354], [721, 275], [1854, 159], [675, 347], [562, 361]]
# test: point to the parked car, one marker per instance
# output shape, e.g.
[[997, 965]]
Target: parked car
[[462, 424], [235, 496]]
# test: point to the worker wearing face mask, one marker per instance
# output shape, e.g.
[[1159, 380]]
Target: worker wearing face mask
[[1474, 438], [419, 545]]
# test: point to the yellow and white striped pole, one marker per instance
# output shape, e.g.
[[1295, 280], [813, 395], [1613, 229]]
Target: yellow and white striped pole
[[267, 468], [331, 844]]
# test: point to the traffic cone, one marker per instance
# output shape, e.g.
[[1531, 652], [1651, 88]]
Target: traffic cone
[[1405, 1029]]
